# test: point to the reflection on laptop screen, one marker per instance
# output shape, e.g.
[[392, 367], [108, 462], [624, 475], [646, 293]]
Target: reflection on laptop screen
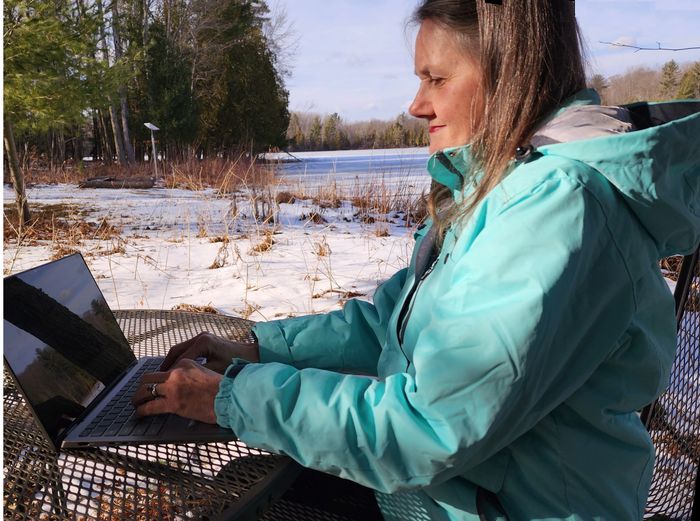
[[61, 340]]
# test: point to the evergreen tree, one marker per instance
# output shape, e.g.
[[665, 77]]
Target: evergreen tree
[[295, 133], [690, 83], [242, 97], [669, 79], [170, 103], [331, 132], [47, 73], [315, 134]]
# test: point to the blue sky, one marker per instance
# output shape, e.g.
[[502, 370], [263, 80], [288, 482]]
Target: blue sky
[[354, 56]]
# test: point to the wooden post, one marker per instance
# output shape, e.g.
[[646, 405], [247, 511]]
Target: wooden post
[[155, 157]]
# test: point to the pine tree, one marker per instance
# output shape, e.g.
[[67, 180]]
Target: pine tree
[[295, 133], [170, 103], [315, 134], [241, 95], [690, 83], [46, 81], [331, 132], [669, 79]]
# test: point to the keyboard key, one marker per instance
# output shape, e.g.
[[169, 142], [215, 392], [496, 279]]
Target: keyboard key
[[156, 425], [127, 428]]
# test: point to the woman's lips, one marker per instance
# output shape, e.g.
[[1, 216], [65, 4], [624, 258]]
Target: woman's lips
[[434, 128]]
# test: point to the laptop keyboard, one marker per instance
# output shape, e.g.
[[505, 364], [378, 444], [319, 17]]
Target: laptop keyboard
[[118, 417]]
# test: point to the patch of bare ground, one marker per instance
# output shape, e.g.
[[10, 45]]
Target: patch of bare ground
[[64, 223]]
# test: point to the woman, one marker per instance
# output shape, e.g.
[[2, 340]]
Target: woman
[[511, 356]]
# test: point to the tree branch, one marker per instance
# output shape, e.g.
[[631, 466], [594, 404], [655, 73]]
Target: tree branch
[[659, 48]]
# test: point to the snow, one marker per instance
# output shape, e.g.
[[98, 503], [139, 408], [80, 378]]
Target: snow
[[171, 238]]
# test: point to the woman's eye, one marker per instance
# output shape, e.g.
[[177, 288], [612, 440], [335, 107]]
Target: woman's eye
[[436, 81]]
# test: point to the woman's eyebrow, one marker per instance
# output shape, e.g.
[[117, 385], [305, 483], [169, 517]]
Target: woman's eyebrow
[[422, 71]]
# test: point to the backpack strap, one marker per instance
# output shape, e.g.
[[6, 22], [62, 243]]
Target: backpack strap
[[647, 115]]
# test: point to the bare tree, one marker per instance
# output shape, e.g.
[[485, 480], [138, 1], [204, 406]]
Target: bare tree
[[282, 38]]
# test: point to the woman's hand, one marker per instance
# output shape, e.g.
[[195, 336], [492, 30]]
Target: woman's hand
[[218, 351], [187, 390]]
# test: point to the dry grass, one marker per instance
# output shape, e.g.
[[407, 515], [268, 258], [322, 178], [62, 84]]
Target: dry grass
[[248, 310], [322, 248], [192, 308], [344, 295], [382, 230], [313, 217], [285, 197], [264, 245], [63, 223], [376, 198], [671, 267], [221, 256], [225, 175]]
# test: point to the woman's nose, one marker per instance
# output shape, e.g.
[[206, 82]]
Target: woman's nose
[[421, 106]]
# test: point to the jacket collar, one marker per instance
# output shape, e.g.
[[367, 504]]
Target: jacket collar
[[450, 166]]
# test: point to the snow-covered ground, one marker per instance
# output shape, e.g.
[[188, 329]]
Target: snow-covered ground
[[172, 239]]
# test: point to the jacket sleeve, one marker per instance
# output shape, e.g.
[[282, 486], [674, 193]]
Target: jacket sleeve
[[538, 300], [349, 339]]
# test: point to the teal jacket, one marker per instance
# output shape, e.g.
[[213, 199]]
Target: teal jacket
[[518, 362]]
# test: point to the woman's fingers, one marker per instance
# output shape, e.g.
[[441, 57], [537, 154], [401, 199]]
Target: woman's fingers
[[193, 348], [187, 390], [146, 392]]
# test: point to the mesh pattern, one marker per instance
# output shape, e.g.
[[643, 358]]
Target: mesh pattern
[[146, 482], [674, 421]]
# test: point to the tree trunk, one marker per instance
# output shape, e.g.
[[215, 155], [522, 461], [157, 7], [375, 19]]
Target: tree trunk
[[17, 176], [128, 148], [116, 132], [96, 152], [61, 141], [113, 111], [78, 153], [106, 143]]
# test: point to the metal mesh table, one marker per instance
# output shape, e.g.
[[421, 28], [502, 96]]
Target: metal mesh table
[[674, 419], [168, 482]]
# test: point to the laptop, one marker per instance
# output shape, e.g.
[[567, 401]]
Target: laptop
[[70, 359]]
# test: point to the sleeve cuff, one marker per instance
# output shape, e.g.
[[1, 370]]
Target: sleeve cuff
[[271, 343], [223, 399]]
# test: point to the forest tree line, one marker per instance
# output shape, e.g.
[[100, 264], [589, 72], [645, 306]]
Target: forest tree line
[[311, 131], [82, 77]]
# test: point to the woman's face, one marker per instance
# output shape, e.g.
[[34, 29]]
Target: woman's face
[[449, 84]]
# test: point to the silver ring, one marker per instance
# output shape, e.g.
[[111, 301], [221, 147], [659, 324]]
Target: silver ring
[[154, 390]]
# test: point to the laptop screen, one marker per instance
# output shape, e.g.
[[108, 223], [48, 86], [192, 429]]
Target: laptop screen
[[61, 340]]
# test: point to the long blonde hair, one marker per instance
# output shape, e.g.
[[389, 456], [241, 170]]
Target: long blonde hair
[[531, 60]]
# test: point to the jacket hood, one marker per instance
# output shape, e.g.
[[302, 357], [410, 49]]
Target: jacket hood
[[649, 152]]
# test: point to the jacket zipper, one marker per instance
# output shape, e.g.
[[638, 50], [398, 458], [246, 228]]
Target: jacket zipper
[[407, 307]]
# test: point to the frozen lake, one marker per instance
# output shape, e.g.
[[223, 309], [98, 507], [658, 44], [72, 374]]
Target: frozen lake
[[348, 167]]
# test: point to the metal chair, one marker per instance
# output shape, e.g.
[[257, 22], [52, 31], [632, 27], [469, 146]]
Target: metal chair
[[673, 420]]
